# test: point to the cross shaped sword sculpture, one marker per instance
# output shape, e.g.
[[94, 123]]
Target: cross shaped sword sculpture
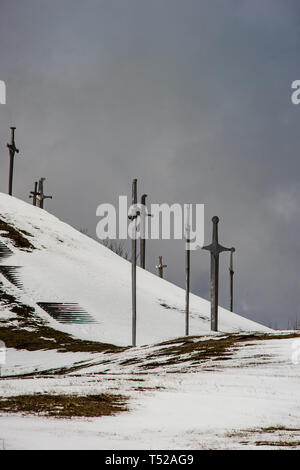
[[143, 230], [215, 249], [12, 150], [41, 196], [34, 193], [187, 269], [160, 266], [231, 273], [133, 218], [142, 225]]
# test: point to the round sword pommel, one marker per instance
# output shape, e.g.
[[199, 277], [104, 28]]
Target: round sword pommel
[[215, 220]]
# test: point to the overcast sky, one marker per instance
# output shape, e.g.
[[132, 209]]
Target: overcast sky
[[192, 97]]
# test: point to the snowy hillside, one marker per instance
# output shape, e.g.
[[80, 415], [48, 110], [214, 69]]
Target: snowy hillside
[[237, 389], [56, 263]]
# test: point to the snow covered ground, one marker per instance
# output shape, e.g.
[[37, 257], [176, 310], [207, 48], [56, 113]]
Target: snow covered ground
[[249, 401], [67, 266], [235, 389]]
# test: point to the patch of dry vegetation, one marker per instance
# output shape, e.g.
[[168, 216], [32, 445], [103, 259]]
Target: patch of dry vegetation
[[292, 444], [195, 351], [17, 237], [65, 406], [28, 331], [273, 436]]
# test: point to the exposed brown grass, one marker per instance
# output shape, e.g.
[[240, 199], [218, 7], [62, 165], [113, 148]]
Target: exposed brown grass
[[292, 444], [273, 429], [281, 436], [28, 331], [65, 406], [195, 351], [192, 351], [17, 237]]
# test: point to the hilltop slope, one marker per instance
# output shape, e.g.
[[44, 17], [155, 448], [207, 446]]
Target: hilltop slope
[[59, 264]]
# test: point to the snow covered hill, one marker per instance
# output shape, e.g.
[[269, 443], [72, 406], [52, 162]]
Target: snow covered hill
[[232, 390], [59, 264]]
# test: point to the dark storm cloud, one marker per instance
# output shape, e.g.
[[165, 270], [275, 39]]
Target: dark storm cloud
[[191, 97]]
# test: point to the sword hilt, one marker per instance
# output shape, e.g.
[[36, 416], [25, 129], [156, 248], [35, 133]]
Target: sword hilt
[[12, 146]]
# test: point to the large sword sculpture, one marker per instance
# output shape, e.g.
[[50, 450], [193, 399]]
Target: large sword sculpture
[[187, 270], [215, 249], [40, 195], [12, 151], [231, 272], [143, 229], [133, 218], [34, 193], [160, 267]]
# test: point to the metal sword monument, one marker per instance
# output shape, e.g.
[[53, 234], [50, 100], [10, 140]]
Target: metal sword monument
[[12, 151], [215, 249], [40, 195], [34, 193], [187, 271], [231, 273], [160, 267], [132, 217], [142, 225]]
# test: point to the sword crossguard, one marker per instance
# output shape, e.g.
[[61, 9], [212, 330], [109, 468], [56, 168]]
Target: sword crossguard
[[215, 248], [135, 216], [12, 146], [43, 196]]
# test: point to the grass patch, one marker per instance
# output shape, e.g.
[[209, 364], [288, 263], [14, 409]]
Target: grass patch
[[281, 433], [65, 406], [17, 237], [30, 332], [195, 351], [278, 443], [46, 338], [192, 351], [273, 429]]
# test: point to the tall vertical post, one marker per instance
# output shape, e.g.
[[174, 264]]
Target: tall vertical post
[[215, 249], [231, 273], [12, 150], [187, 270], [133, 217], [142, 225]]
